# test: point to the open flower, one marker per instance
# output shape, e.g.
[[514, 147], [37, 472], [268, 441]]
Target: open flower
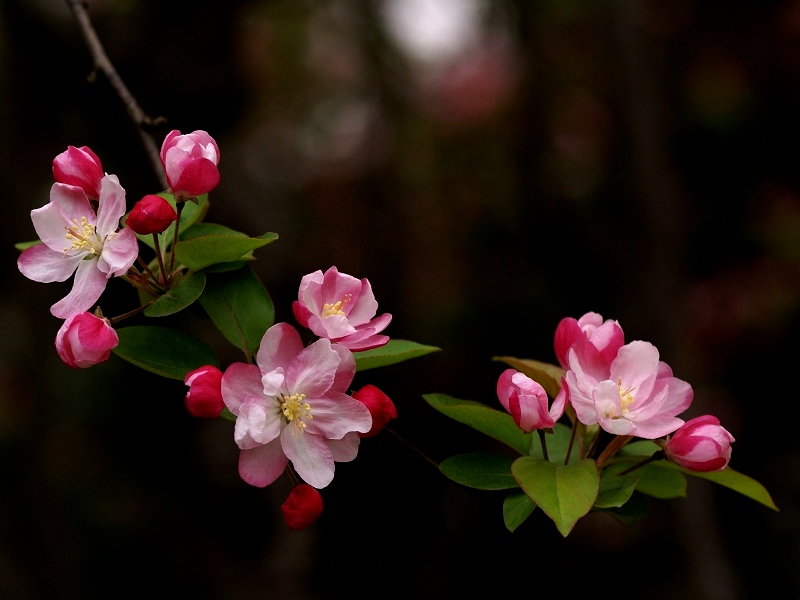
[[526, 401], [85, 340], [380, 406], [605, 336], [700, 444], [341, 308], [303, 507], [75, 240], [81, 167], [292, 406], [190, 163], [204, 398], [635, 395]]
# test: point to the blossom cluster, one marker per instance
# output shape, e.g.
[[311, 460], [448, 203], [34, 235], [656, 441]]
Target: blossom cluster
[[293, 409]]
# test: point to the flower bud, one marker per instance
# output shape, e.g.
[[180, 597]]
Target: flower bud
[[204, 398], [190, 163], [151, 214], [302, 507], [379, 405], [85, 340], [80, 167], [700, 444]]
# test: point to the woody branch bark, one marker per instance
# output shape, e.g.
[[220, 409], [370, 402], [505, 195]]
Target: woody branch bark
[[103, 64]]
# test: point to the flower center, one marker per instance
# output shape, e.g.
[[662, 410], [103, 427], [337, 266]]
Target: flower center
[[296, 410], [83, 237], [625, 397], [329, 310]]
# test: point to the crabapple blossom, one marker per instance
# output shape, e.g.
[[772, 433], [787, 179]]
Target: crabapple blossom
[[700, 444], [151, 214], [526, 401], [81, 167], [204, 398], [341, 308], [292, 406], [379, 405], [190, 163], [85, 340], [302, 507], [75, 240], [636, 394], [606, 336]]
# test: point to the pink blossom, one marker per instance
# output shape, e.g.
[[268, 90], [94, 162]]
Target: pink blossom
[[634, 395], [75, 240], [85, 340], [204, 398], [526, 401], [606, 336], [380, 406], [292, 406], [151, 214], [190, 163], [341, 308], [700, 444], [80, 167], [303, 507]]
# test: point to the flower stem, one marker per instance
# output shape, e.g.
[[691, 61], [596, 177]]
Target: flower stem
[[656, 456], [612, 447], [544, 444], [425, 457], [179, 208], [159, 255]]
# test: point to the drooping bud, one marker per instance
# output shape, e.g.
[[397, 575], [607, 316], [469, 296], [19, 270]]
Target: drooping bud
[[380, 407], [80, 167], [204, 398], [190, 163], [303, 507], [700, 444], [151, 214], [85, 340]]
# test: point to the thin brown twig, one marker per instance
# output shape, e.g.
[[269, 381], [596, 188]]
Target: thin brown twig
[[103, 64]]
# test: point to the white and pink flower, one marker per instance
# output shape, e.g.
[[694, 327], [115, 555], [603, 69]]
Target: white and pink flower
[[292, 406], [604, 335], [701, 444], [81, 167], [636, 394], [526, 401], [190, 163], [75, 240], [341, 308], [85, 340]]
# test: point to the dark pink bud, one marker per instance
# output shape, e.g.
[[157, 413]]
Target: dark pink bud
[[80, 167], [379, 405], [85, 340], [190, 163], [303, 507], [151, 214], [700, 444], [204, 398]]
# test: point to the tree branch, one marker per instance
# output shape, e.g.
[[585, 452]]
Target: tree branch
[[103, 64]]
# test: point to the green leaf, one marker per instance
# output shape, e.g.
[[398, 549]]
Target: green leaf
[[640, 448], [481, 470], [394, 351], [178, 297], [517, 507], [615, 490], [24, 245], [630, 513], [166, 352], [240, 307], [545, 374], [736, 481], [656, 479], [564, 492], [200, 252], [557, 445], [495, 424]]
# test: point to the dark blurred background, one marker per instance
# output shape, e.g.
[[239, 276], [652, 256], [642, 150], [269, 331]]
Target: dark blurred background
[[491, 167]]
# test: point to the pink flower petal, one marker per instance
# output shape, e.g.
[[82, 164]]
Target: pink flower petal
[[262, 465], [87, 288]]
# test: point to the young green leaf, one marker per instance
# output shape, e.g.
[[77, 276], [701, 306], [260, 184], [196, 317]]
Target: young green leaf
[[394, 351], [494, 423], [480, 470], [564, 492], [163, 351], [178, 297], [736, 481], [200, 252], [517, 507]]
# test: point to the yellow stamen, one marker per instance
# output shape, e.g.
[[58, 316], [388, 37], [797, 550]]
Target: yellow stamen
[[625, 397], [329, 310], [296, 410], [83, 237]]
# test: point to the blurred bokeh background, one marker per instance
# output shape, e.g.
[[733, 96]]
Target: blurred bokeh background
[[491, 166]]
